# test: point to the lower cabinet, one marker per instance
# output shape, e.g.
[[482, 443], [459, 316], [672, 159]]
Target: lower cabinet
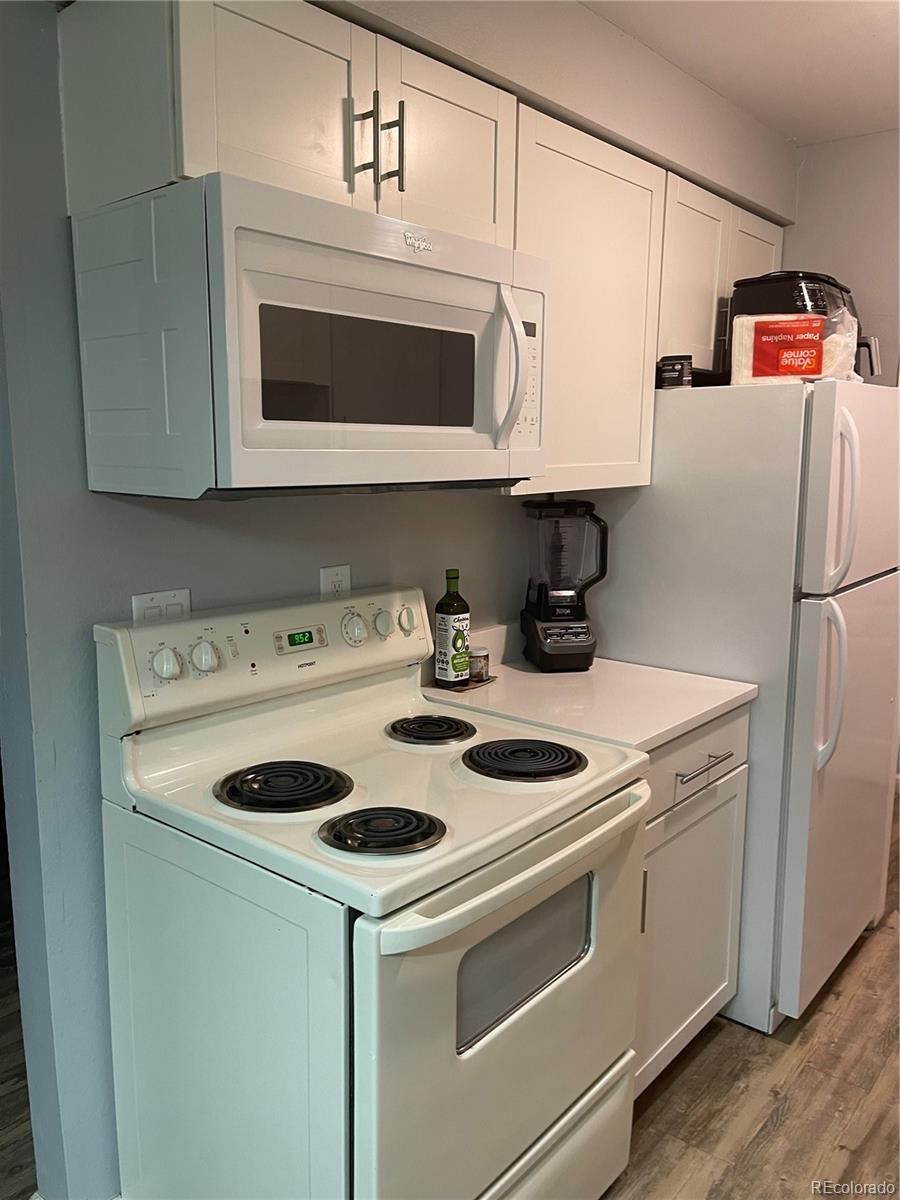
[[690, 920]]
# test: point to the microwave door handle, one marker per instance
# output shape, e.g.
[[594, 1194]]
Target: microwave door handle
[[848, 433], [414, 930], [520, 347]]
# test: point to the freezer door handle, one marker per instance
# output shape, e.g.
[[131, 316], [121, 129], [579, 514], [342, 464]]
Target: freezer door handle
[[834, 615], [414, 930], [848, 432]]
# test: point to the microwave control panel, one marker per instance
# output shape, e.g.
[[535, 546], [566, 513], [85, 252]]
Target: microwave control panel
[[527, 430]]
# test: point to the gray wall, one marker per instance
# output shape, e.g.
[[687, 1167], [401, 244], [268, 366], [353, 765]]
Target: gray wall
[[75, 558], [590, 72], [847, 226]]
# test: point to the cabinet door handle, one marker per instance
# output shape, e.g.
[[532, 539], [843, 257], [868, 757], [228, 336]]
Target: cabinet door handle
[[644, 901], [400, 125], [715, 760], [372, 114]]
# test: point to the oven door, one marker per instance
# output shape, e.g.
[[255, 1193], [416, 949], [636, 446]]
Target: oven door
[[483, 1012], [342, 356]]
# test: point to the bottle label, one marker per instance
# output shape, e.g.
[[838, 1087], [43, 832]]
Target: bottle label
[[451, 647]]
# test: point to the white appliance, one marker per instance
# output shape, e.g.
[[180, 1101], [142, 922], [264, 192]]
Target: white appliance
[[767, 549], [419, 984], [236, 335]]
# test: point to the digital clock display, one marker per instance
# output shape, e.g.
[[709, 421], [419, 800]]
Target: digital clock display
[[301, 637]]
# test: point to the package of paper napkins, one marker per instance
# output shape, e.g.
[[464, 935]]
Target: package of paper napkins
[[772, 347]]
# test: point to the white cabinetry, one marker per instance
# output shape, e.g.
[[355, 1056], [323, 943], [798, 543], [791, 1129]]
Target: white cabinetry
[[459, 147], [284, 93], [695, 270], [693, 869], [708, 244], [754, 247], [596, 213]]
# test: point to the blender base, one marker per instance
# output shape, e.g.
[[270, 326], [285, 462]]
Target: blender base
[[558, 645]]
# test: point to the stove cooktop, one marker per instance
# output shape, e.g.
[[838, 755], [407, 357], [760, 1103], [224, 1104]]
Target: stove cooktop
[[345, 744]]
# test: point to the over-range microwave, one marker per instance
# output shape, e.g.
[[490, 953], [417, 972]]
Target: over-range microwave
[[235, 335]]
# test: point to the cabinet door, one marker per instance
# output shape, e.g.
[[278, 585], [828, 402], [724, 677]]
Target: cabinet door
[[754, 247], [690, 923], [268, 91], [596, 213], [459, 147], [694, 269]]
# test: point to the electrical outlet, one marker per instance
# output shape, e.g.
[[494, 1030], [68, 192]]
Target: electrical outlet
[[334, 581], [161, 606]]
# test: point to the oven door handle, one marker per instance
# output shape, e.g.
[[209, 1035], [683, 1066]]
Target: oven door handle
[[414, 930], [520, 347]]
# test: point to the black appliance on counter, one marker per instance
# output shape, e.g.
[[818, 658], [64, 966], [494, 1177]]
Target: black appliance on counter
[[798, 291], [567, 555]]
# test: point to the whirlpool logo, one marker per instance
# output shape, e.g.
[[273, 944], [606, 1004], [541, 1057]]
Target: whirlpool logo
[[417, 244]]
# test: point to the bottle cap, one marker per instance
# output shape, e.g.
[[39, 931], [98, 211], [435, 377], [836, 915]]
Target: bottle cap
[[453, 572]]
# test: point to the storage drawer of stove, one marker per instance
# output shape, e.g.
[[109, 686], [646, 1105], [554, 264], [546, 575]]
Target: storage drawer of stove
[[583, 1152], [691, 762]]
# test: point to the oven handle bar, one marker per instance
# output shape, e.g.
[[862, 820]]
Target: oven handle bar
[[517, 396], [413, 930]]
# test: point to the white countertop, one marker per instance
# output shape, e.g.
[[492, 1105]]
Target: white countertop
[[643, 707]]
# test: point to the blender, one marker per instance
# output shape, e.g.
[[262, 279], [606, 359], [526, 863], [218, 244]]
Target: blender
[[567, 555]]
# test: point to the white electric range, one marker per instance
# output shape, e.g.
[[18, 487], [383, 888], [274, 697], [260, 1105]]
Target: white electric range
[[358, 945]]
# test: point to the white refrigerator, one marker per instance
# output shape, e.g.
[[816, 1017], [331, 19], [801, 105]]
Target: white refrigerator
[[767, 549]]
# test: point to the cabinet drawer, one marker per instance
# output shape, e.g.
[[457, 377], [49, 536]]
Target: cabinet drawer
[[687, 764]]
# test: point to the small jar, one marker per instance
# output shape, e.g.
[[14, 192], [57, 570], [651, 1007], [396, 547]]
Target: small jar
[[479, 664]]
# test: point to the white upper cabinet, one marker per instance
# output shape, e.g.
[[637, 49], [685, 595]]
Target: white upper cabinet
[[267, 93], [754, 247], [596, 213], [695, 269], [458, 147], [156, 92], [708, 244], [283, 93]]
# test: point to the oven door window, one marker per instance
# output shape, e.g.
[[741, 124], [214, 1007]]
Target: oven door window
[[507, 969], [332, 368]]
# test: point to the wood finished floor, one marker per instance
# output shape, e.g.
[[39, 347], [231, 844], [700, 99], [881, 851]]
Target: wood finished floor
[[736, 1115]]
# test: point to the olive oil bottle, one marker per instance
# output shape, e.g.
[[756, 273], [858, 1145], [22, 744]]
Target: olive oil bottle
[[451, 636]]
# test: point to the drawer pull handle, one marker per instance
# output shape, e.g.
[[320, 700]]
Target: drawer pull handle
[[644, 902], [715, 760]]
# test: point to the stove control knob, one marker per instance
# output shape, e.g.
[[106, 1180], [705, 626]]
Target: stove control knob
[[354, 630], [407, 619], [205, 657], [384, 623], [166, 663]]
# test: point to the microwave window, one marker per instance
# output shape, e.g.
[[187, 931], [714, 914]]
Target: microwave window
[[326, 367]]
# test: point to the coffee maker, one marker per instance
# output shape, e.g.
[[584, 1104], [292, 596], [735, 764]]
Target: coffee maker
[[567, 555]]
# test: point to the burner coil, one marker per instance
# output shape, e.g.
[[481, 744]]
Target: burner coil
[[431, 730], [287, 786], [383, 831], [524, 760]]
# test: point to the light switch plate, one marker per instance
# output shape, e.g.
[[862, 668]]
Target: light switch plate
[[150, 607], [334, 581]]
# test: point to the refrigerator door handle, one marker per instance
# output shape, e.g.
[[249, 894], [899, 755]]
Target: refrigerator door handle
[[834, 615], [848, 432]]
